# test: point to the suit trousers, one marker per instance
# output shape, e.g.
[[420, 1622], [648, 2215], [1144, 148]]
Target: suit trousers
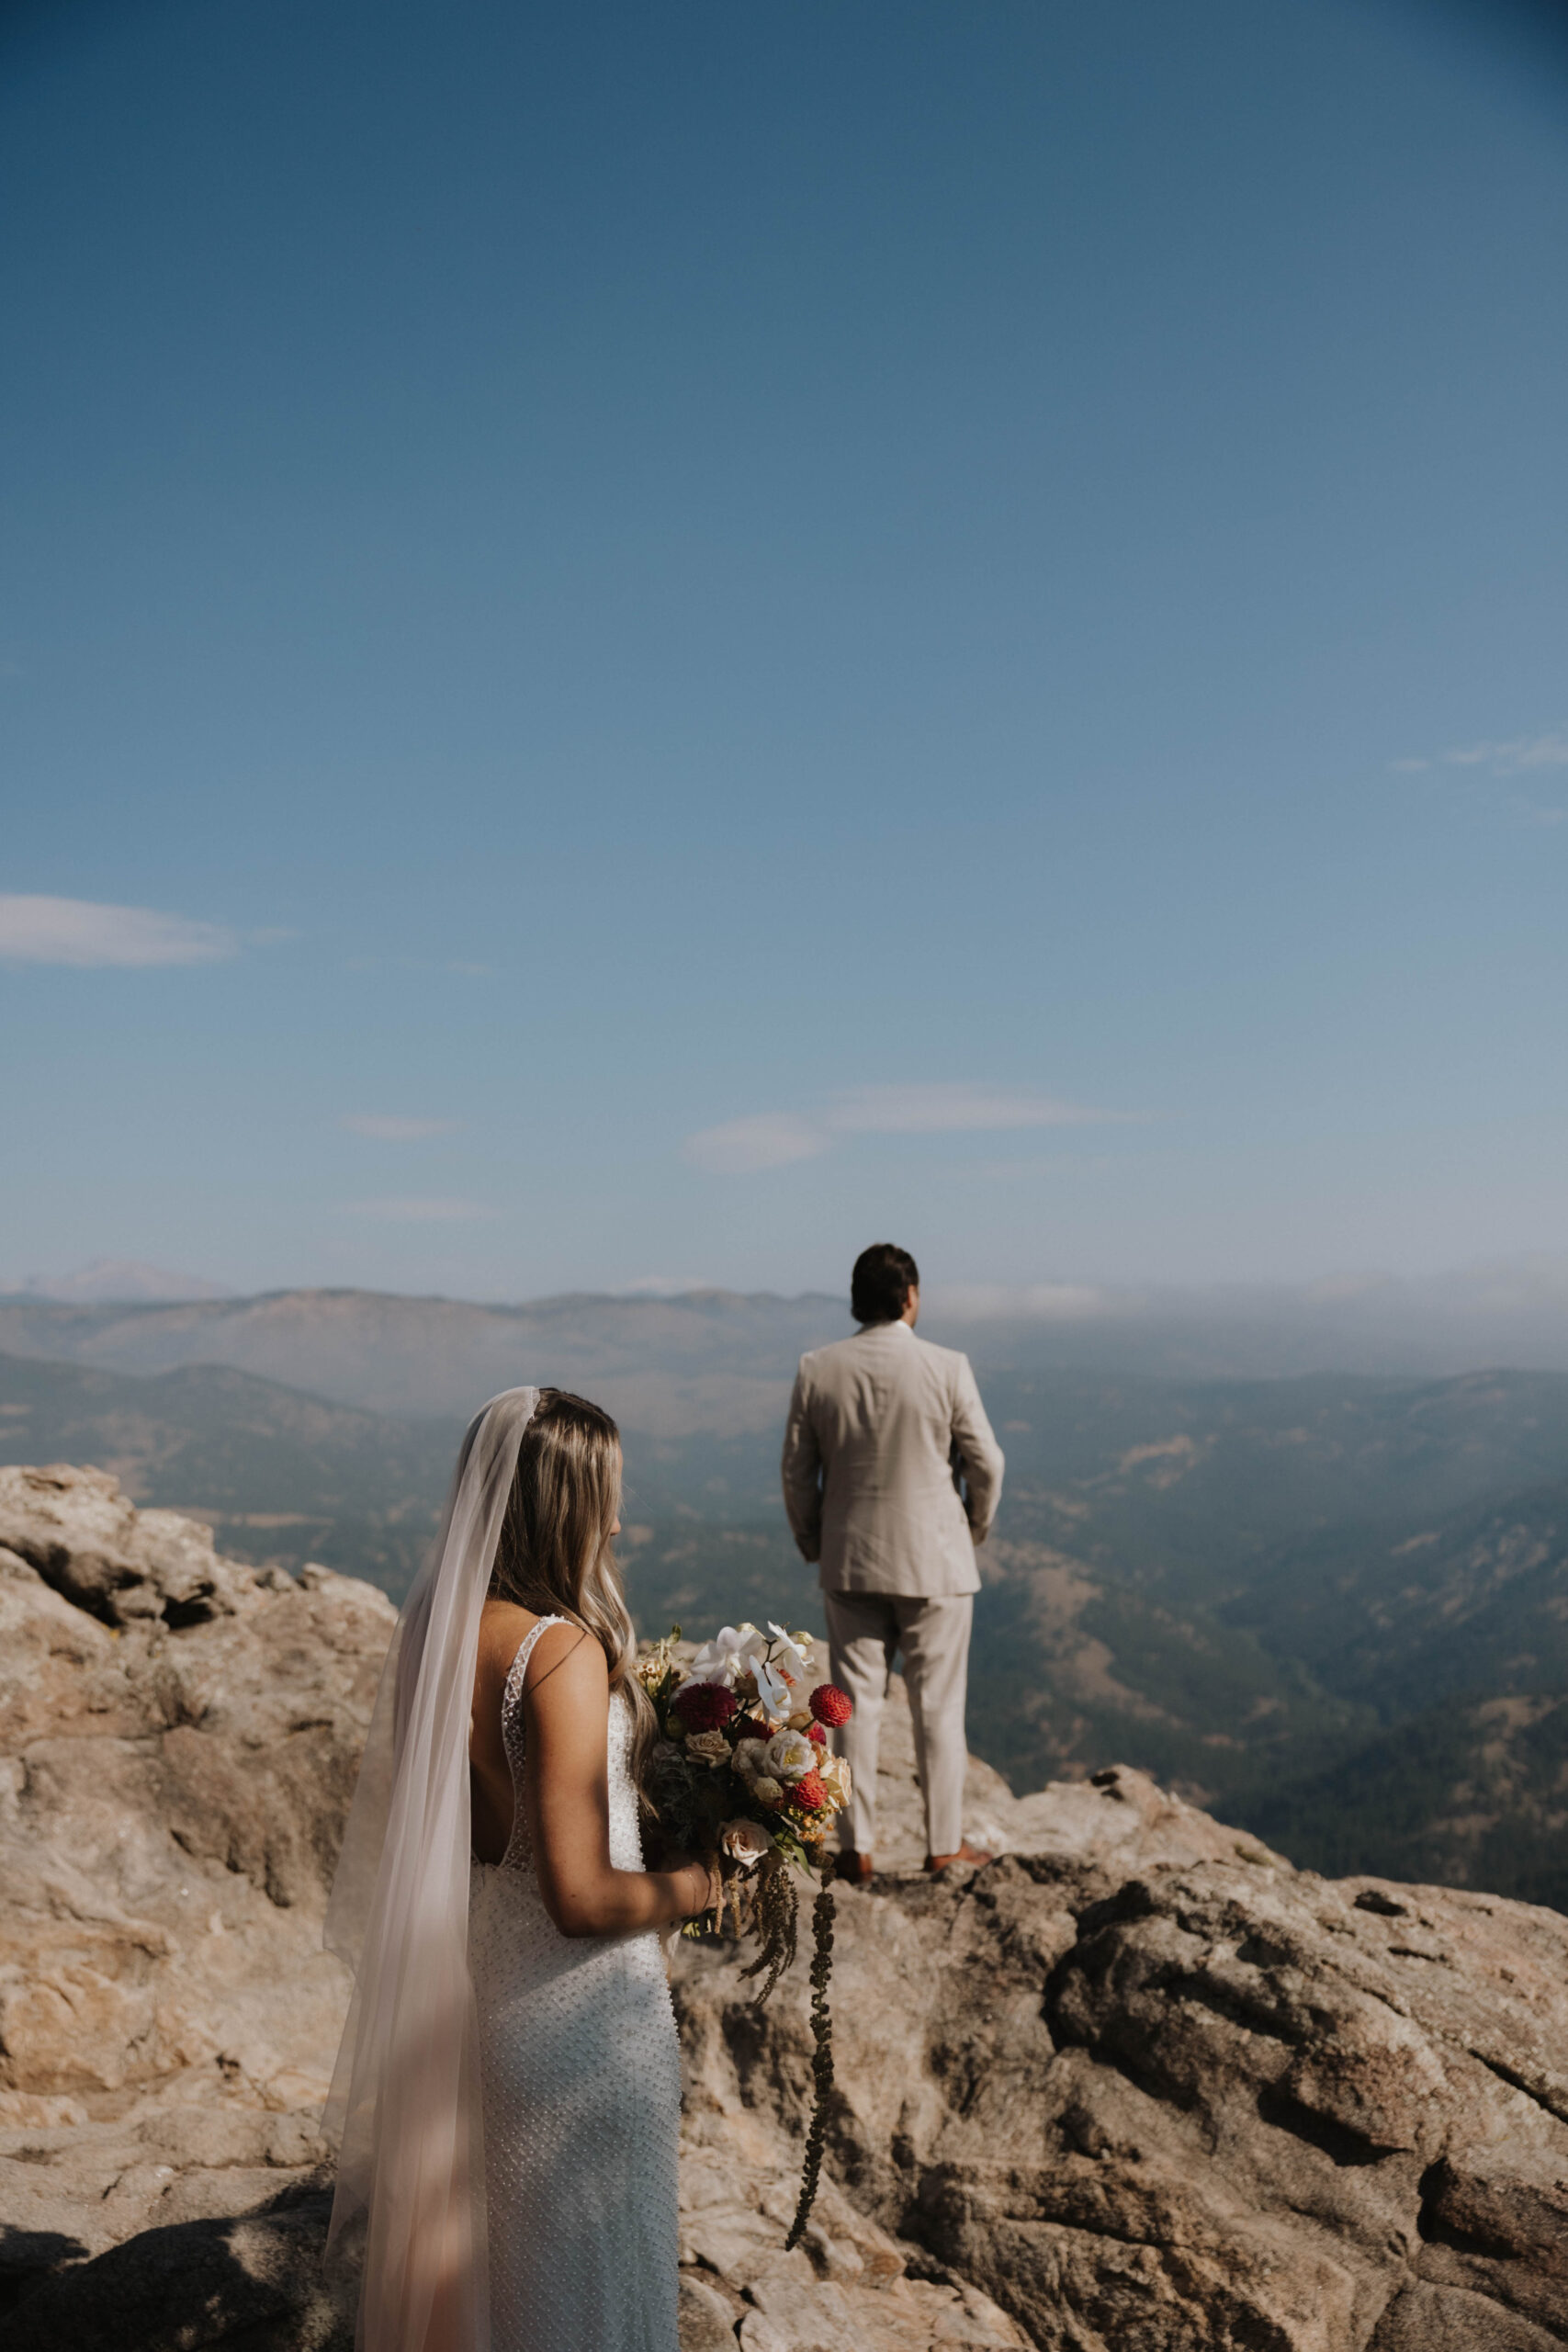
[[865, 1631]]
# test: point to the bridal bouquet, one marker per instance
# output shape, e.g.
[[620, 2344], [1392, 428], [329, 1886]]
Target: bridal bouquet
[[742, 1775]]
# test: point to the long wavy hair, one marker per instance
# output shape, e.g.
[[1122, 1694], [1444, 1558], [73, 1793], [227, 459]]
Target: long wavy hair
[[556, 1554]]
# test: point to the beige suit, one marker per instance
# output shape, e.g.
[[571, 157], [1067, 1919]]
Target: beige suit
[[881, 1427]]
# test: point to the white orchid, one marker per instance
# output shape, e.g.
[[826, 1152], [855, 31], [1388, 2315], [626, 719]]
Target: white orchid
[[781, 1675], [733, 1652], [777, 1695]]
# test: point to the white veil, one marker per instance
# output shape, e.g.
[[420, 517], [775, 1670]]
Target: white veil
[[405, 2096]]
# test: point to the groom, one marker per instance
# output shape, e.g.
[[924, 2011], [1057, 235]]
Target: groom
[[881, 1429]]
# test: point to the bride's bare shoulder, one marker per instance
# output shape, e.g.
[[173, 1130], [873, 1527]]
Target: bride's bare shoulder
[[505, 1626], [563, 1651], [570, 1660]]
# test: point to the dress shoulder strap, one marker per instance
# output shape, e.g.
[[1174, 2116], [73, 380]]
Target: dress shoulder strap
[[511, 1696], [514, 1740]]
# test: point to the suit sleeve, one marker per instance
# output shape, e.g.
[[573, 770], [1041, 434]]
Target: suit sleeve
[[978, 1454], [802, 1473]]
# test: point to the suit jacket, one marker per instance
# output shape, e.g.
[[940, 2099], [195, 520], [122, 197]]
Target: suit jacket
[[880, 1429]]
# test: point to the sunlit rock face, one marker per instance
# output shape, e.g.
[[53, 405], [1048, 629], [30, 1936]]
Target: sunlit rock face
[[1149, 2098], [1138, 2086], [178, 1742]]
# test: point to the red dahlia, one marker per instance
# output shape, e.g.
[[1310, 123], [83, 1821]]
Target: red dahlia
[[705, 1706], [809, 1792], [832, 1705]]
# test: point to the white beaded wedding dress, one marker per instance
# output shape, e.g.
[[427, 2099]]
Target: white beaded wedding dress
[[582, 2076], [507, 2098]]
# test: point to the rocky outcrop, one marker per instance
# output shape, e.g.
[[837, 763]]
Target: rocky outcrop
[[178, 1742], [1145, 2100], [1137, 2087]]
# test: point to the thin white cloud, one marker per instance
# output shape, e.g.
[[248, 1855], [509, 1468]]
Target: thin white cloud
[[776, 1138], [961, 1109], [82, 933], [745, 1146], [1497, 768], [420, 1212], [1520, 755], [395, 1130]]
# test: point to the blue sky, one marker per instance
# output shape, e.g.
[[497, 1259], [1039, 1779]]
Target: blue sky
[[703, 634]]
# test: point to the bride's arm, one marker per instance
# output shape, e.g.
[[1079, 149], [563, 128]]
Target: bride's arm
[[566, 1794]]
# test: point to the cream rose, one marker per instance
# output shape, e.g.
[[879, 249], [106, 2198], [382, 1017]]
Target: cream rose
[[766, 1790], [711, 1746], [743, 1843], [749, 1758], [835, 1775], [789, 1756]]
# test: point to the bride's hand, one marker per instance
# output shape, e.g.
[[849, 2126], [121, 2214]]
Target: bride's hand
[[699, 1877]]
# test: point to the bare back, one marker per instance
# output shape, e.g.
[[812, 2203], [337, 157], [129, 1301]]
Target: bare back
[[503, 1628]]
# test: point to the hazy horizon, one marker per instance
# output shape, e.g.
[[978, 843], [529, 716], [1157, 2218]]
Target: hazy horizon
[[1521, 1279], [1493, 1317]]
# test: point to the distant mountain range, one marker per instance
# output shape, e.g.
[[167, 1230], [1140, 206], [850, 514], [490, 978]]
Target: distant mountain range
[[710, 1360], [1333, 1606], [404, 1354]]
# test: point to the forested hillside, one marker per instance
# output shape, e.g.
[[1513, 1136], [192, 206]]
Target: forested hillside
[[1335, 1609]]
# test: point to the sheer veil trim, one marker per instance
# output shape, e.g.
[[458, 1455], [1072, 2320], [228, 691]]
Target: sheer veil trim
[[405, 2102]]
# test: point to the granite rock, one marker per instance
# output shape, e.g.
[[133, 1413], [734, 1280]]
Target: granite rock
[[179, 1737], [1154, 2103]]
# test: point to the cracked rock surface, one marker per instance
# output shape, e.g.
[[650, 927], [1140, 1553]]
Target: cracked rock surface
[[1191, 2105], [1136, 2086]]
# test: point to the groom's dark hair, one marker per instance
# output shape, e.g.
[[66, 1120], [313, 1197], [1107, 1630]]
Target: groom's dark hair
[[882, 1280]]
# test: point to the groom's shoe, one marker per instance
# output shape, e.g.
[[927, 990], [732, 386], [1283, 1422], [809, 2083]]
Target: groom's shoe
[[859, 1869], [970, 1856]]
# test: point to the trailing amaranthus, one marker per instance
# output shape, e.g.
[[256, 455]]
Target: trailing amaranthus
[[775, 1916], [821, 2062]]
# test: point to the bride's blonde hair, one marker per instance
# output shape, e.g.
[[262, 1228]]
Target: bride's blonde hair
[[555, 1555]]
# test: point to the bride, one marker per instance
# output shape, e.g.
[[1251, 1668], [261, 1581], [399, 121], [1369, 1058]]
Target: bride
[[508, 2089]]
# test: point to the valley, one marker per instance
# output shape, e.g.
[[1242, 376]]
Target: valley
[[1333, 1607]]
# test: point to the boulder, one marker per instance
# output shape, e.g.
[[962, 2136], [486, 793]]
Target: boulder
[[179, 1737]]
